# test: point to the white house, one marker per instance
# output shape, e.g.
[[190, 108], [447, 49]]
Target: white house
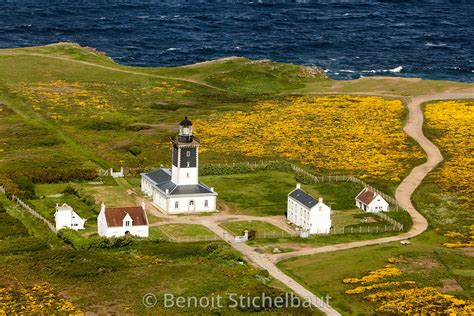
[[371, 201], [65, 217], [121, 221], [178, 190], [307, 213]]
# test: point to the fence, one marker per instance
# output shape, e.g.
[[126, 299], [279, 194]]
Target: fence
[[372, 229], [33, 212], [337, 178], [185, 239]]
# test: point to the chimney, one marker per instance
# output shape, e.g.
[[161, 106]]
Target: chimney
[[320, 200], [167, 191], [102, 207], [298, 186], [143, 205], [212, 189]]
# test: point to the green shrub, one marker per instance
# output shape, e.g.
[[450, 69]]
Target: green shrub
[[26, 186], [239, 168], [69, 189], [15, 227], [21, 245], [54, 175], [252, 234], [103, 125], [135, 150], [210, 248], [72, 238]]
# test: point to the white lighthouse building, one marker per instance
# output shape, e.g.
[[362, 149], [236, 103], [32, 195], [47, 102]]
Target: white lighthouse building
[[178, 190]]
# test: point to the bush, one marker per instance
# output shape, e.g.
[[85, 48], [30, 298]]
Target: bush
[[238, 168], [103, 126], [135, 150], [81, 194], [26, 186], [252, 234], [70, 190], [2, 208], [210, 248], [72, 238], [54, 175]]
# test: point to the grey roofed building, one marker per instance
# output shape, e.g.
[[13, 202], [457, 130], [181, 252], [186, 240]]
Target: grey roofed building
[[161, 179], [304, 198]]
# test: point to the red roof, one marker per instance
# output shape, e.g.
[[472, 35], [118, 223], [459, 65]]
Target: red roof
[[115, 216], [366, 196]]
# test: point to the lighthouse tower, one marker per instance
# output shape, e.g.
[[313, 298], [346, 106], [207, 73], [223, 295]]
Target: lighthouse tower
[[185, 155]]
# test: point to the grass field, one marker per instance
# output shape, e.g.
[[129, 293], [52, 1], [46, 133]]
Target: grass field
[[265, 193], [185, 230], [237, 228]]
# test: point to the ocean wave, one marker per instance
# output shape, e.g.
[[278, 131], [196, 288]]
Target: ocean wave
[[436, 45], [374, 71]]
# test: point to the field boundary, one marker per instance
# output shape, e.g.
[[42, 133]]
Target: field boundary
[[29, 209]]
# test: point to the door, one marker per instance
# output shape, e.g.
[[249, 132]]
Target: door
[[191, 206]]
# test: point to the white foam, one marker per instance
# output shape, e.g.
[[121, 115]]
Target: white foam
[[396, 69], [430, 44]]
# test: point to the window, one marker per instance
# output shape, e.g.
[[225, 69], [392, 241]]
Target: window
[[176, 204], [188, 153], [127, 223], [187, 175], [188, 164], [206, 203], [191, 203]]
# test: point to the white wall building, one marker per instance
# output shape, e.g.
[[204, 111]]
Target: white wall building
[[371, 201], [65, 217], [121, 221], [178, 190], [307, 213]]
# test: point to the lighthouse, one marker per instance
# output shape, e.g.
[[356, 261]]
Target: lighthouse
[[178, 190]]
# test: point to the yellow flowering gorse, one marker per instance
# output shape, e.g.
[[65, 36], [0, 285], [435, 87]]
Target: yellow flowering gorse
[[406, 297], [360, 135], [40, 299], [454, 121]]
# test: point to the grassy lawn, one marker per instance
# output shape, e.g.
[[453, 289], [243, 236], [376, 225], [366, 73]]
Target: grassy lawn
[[265, 193], [156, 233], [236, 228], [431, 263], [46, 206], [185, 230]]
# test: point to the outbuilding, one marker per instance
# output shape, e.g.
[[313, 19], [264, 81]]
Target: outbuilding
[[370, 201]]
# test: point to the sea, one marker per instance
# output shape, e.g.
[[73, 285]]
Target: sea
[[348, 39]]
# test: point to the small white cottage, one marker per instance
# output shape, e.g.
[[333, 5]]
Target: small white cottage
[[65, 217], [371, 201], [311, 215], [121, 221]]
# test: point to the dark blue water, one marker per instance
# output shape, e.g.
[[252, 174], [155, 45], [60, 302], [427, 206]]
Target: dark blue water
[[429, 39]]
